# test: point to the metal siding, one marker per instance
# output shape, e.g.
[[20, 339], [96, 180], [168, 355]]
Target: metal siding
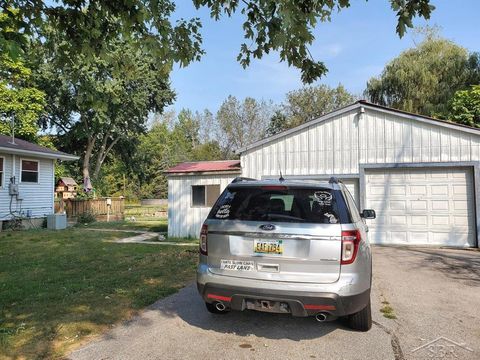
[[184, 220], [339, 144]]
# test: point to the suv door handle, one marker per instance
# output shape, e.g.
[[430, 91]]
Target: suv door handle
[[366, 228]]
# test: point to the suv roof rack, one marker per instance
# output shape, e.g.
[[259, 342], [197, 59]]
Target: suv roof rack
[[241, 178]]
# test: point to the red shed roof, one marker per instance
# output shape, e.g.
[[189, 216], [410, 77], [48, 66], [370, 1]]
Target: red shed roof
[[205, 166]]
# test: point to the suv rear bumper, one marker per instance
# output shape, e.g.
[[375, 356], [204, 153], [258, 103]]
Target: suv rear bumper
[[300, 303]]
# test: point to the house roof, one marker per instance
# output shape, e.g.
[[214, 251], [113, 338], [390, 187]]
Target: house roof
[[205, 166], [356, 106], [23, 147], [68, 181]]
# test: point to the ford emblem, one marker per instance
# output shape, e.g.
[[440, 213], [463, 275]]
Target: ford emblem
[[267, 227]]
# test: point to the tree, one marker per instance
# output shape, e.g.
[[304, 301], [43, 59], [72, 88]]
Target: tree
[[423, 79], [285, 26], [312, 102], [18, 101], [465, 107], [278, 123], [242, 123], [96, 104], [90, 26]]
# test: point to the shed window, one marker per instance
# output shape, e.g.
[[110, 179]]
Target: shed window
[[29, 171], [205, 195], [1, 171]]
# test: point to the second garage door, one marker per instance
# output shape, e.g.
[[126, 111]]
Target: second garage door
[[421, 206]]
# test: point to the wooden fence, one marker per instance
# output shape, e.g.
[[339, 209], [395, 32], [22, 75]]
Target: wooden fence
[[98, 207]]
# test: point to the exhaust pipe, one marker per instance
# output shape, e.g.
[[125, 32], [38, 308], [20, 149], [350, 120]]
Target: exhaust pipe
[[321, 317], [220, 306]]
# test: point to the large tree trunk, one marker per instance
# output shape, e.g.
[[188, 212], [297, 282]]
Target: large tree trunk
[[86, 160], [102, 155]]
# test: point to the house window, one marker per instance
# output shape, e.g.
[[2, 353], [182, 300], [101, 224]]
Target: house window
[[1, 171], [205, 195], [29, 171]]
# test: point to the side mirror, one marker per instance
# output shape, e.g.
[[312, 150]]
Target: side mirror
[[368, 214]]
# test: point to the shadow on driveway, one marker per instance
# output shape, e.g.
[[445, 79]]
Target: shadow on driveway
[[456, 264], [189, 307]]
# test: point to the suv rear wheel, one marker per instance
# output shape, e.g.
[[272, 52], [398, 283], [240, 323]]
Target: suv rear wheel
[[362, 320]]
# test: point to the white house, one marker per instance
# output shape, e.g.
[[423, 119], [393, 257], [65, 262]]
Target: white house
[[27, 179], [193, 188], [421, 175]]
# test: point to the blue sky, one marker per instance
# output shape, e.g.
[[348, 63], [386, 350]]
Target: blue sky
[[355, 46]]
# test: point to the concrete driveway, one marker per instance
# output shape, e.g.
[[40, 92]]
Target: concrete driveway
[[435, 295]]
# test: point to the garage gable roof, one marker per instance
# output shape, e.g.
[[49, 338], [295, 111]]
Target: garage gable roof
[[364, 104]]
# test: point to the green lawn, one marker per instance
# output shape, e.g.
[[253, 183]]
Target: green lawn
[[156, 225], [60, 288], [153, 224]]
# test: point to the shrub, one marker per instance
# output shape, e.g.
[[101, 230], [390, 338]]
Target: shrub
[[86, 218]]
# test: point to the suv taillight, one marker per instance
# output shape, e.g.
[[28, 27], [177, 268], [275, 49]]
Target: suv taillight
[[203, 240], [350, 243]]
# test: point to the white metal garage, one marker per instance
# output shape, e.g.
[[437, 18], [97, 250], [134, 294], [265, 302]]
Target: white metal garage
[[422, 206], [420, 174]]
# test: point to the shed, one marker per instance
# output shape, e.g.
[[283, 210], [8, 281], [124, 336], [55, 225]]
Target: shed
[[193, 187], [27, 178], [420, 174]]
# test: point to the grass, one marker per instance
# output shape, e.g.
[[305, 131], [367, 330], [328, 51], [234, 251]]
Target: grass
[[387, 310], [155, 225], [60, 288]]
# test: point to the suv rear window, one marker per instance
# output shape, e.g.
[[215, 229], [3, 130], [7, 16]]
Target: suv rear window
[[283, 204]]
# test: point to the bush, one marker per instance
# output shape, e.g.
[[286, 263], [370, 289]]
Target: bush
[[86, 218]]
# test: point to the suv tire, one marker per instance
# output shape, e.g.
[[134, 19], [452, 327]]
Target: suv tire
[[212, 309], [362, 320]]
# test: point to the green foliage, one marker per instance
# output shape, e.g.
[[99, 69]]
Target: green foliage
[[287, 26], [278, 123], [18, 100], [90, 26], [465, 107], [242, 123], [100, 103], [86, 218], [423, 79], [312, 102]]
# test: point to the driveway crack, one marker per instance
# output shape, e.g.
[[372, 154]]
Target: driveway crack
[[395, 342]]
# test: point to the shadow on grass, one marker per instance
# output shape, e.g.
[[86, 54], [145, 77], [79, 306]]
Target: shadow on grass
[[59, 288]]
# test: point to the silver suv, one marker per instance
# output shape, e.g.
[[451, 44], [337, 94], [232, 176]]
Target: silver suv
[[287, 247]]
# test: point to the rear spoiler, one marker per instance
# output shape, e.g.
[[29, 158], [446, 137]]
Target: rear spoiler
[[241, 178]]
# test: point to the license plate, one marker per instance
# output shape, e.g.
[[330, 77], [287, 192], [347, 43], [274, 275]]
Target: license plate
[[268, 246], [238, 265]]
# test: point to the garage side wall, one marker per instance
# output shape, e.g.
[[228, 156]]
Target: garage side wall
[[184, 220], [338, 145]]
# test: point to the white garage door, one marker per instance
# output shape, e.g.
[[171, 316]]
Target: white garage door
[[421, 206]]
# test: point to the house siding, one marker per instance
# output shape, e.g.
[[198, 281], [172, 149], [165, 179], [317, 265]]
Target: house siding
[[38, 197]]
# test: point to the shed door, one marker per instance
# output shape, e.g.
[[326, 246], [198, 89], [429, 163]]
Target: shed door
[[421, 206]]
